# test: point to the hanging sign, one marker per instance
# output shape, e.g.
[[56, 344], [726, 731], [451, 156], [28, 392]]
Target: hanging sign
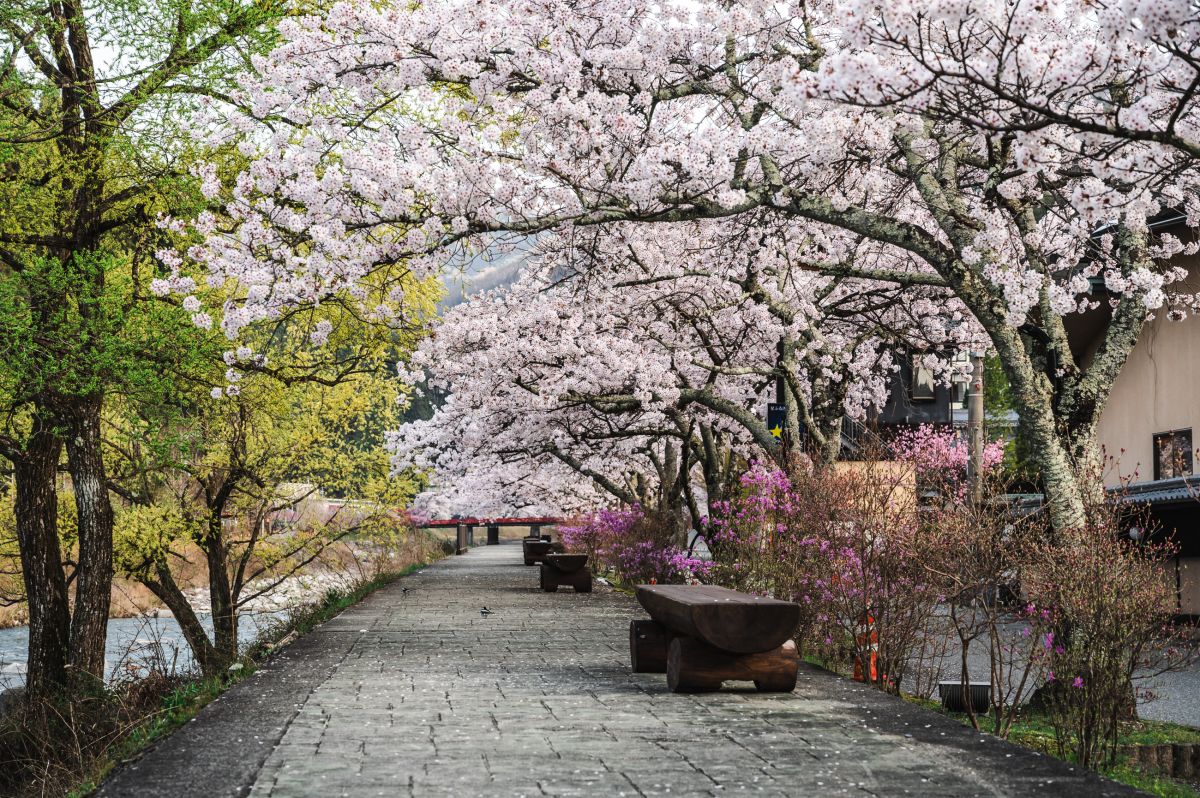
[[776, 420]]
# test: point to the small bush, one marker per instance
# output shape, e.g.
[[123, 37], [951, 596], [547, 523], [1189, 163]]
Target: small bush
[[634, 546], [48, 746], [1111, 627], [977, 556]]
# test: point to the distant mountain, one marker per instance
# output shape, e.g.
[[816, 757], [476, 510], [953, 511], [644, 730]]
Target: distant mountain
[[484, 272]]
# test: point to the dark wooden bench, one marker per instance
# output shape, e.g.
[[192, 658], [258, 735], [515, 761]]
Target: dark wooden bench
[[566, 569], [536, 549], [701, 636]]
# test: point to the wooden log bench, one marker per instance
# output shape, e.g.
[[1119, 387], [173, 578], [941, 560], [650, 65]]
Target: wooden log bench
[[536, 549], [566, 569], [701, 636]]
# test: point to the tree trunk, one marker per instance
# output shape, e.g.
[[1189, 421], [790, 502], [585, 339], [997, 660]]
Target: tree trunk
[[93, 583], [224, 613], [1060, 482], [1033, 393], [203, 651], [830, 449], [41, 560]]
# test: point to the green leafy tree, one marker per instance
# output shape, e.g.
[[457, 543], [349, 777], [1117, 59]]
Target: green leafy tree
[[94, 102], [205, 475]]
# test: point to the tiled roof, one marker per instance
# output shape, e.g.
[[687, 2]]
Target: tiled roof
[[1163, 491], [1178, 490]]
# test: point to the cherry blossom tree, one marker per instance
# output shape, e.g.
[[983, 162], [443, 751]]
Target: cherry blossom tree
[[1119, 73], [416, 132], [644, 364]]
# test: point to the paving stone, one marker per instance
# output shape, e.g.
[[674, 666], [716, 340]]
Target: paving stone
[[537, 699]]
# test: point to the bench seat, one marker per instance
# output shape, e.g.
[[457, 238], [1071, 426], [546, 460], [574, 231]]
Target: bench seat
[[535, 550]]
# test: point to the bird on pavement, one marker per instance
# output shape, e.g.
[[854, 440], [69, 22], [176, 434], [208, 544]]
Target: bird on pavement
[[485, 612]]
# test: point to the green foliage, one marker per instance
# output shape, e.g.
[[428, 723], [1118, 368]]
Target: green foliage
[[78, 202], [144, 534], [1019, 467], [291, 426], [1151, 783], [997, 396], [77, 328]]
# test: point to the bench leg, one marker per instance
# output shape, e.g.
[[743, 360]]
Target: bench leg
[[548, 578], [693, 666], [552, 578], [648, 646], [581, 580]]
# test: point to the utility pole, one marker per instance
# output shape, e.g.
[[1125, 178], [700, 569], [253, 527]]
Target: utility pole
[[975, 428]]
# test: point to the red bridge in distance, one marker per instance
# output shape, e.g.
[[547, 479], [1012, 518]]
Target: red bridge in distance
[[442, 523]]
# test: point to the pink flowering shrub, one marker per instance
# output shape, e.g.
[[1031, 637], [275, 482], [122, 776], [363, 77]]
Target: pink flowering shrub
[[940, 456], [1087, 613], [634, 546], [841, 542]]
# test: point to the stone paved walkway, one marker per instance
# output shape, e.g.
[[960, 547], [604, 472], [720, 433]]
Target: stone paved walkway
[[418, 694]]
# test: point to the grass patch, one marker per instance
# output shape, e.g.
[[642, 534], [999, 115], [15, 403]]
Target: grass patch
[[177, 708], [69, 748], [1150, 782], [1033, 730]]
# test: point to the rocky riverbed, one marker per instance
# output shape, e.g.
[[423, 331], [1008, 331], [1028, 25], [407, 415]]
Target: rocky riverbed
[[154, 638]]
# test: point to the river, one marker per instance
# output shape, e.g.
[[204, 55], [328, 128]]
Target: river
[[132, 643]]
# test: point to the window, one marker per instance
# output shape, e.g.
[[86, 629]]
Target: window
[[958, 395], [923, 384], [1173, 454]]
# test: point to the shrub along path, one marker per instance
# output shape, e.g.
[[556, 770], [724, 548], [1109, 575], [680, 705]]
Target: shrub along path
[[419, 694]]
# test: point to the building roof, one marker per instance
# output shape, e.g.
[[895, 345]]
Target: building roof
[[1156, 493], [1161, 491]]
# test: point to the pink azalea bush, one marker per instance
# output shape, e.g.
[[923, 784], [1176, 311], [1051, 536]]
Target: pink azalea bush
[[634, 546], [877, 581], [840, 542], [1111, 629]]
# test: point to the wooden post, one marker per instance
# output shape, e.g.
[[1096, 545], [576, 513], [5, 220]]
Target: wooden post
[[975, 428], [460, 546], [493, 535]]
